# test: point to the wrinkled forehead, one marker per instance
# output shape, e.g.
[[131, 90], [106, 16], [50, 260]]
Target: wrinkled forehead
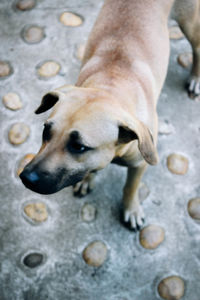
[[75, 101], [96, 129], [91, 120]]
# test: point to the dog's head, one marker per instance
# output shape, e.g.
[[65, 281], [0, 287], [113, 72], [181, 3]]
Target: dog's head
[[81, 135]]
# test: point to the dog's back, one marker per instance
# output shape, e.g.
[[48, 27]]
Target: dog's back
[[129, 40]]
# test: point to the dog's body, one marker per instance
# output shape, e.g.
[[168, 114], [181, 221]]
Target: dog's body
[[110, 115]]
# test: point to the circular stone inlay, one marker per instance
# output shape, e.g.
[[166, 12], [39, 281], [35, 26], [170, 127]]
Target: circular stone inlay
[[177, 164], [33, 34], [171, 288], [25, 4], [70, 19], [95, 254], [24, 161], [18, 133], [5, 69], [49, 69], [36, 211], [88, 212], [33, 260], [12, 101], [194, 208], [175, 33], [185, 59], [151, 236]]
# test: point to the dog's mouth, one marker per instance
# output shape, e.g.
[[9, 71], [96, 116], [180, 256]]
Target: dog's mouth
[[46, 183]]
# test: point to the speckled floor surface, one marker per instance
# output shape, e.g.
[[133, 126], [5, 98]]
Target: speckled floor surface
[[130, 271]]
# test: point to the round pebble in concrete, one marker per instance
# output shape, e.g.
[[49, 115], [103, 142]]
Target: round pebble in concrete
[[5, 69], [95, 254], [36, 211], [48, 69], [177, 164], [33, 34], [33, 260], [151, 236], [80, 51], [12, 101], [185, 59], [88, 213], [175, 33], [25, 4], [194, 208], [24, 161], [18, 133], [70, 19], [171, 288]]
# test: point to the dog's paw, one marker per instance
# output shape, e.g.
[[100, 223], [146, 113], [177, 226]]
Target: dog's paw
[[135, 217], [84, 187], [193, 88]]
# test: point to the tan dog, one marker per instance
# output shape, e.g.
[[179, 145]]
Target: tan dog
[[110, 115]]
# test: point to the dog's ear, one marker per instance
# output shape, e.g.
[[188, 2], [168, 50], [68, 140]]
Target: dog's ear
[[138, 130], [50, 99]]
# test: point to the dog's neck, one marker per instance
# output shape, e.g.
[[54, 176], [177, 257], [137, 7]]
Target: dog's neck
[[127, 63], [133, 89]]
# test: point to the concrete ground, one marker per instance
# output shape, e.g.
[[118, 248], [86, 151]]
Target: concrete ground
[[130, 271]]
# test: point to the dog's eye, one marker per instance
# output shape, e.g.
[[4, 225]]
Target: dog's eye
[[77, 148], [47, 134]]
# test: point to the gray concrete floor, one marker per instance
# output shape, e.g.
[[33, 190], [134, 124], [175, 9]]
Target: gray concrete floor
[[130, 271]]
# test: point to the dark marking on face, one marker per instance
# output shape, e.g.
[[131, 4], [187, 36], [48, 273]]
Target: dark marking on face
[[75, 144], [47, 132], [44, 182]]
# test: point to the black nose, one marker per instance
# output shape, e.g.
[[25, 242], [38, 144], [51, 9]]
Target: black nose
[[29, 179], [40, 181]]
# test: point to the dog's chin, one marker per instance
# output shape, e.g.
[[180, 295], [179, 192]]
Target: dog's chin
[[43, 190], [51, 187]]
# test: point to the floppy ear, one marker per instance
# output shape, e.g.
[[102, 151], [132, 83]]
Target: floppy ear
[[50, 99], [138, 130]]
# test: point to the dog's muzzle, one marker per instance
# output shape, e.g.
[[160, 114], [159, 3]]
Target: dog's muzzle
[[44, 182], [39, 182]]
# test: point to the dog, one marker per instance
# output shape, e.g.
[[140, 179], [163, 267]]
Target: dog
[[110, 116]]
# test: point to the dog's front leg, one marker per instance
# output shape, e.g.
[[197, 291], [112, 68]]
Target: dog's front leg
[[133, 211], [85, 186]]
